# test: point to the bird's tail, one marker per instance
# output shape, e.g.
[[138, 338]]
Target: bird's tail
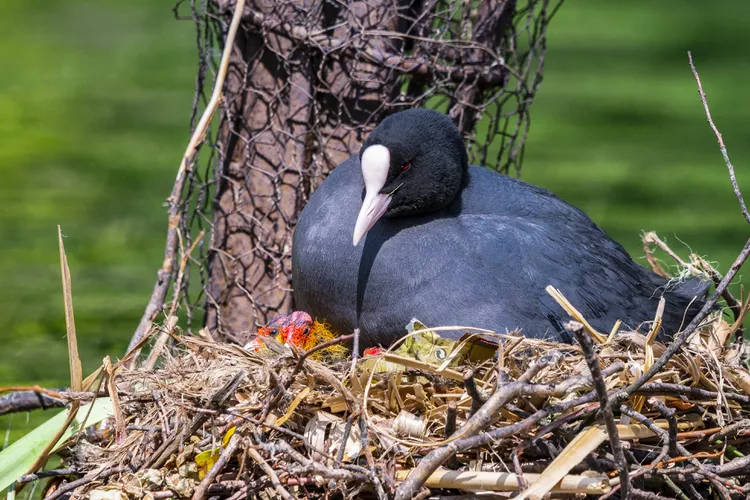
[[683, 301]]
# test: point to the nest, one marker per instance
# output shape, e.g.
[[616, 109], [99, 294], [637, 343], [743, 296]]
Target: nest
[[498, 415]]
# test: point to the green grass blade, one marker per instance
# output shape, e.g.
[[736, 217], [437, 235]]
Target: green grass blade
[[16, 459]]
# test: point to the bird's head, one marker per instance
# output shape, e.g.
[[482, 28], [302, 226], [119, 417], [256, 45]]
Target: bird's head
[[275, 326], [298, 329], [413, 162], [293, 329]]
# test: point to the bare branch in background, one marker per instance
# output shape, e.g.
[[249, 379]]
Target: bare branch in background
[[720, 140], [721, 287]]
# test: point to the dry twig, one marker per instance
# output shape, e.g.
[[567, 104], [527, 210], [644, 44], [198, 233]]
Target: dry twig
[[589, 354], [720, 140], [478, 422], [164, 274], [226, 455]]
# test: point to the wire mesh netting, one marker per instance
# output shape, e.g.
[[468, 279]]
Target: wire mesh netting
[[307, 81]]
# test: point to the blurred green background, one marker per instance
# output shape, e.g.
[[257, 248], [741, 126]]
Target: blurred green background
[[95, 98]]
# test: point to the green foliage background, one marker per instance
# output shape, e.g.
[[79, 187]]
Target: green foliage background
[[95, 99]]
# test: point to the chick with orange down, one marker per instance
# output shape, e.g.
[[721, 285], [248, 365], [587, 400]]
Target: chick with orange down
[[298, 329]]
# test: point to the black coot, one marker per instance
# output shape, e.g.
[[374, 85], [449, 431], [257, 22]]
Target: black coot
[[456, 244]]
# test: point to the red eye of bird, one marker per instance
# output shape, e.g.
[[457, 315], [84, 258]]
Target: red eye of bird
[[405, 166], [274, 332], [307, 330]]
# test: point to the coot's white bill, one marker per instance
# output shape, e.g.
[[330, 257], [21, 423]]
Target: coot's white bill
[[375, 162]]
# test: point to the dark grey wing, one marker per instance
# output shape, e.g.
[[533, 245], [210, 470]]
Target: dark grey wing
[[566, 247]]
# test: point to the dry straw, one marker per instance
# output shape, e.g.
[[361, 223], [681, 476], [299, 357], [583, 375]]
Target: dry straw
[[214, 419]]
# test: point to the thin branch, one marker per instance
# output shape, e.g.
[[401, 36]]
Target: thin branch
[[164, 274], [450, 428], [478, 397], [355, 352], [320, 347], [592, 360], [283, 493], [672, 445], [662, 388], [344, 440], [450, 419], [226, 454], [373, 473], [22, 401], [669, 414], [723, 284], [311, 467], [98, 475], [474, 426], [27, 478], [737, 467], [522, 426], [577, 383], [720, 140]]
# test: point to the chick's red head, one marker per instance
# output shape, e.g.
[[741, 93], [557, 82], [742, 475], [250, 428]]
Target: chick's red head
[[293, 329], [297, 329], [373, 351], [275, 327], [270, 330]]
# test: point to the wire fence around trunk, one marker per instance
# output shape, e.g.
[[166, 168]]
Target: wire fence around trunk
[[306, 82]]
